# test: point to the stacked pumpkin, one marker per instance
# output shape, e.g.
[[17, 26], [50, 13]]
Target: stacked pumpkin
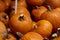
[[32, 20]]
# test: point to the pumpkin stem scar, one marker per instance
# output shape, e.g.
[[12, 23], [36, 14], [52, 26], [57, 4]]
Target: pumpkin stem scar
[[35, 27], [49, 8], [54, 35], [46, 38], [19, 34], [21, 18], [58, 31]]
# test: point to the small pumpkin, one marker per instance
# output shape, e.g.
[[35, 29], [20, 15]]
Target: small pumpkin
[[32, 36], [44, 28], [10, 37], [35, 2], [53, 3], [4, 18], [36, 13], [3, 31], [54, 17], [21, 22]]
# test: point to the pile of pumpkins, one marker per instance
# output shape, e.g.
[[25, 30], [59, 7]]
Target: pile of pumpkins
[[32, 20]]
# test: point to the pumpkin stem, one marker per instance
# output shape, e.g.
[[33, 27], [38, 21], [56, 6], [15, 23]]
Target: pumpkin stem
[[36, 7], [49, 8], [35, 26], [7, 37], [58, 31], [5, 17], [19, 34], [21, 18], [46, 38], [54, 35], [8, 30]]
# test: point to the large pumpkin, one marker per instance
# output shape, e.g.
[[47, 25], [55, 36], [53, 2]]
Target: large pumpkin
[[53, 3], [32, 36], [3, 31], [36, 13], [54, 17], [44, 28], [21, 22]]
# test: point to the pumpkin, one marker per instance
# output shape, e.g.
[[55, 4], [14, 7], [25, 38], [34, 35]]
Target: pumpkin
[[35, 2], [32, 36], [44, 28], [4, 18], [21, 22], [53, 3], [36, 13], [3, 31], [10, 37], [2, 6], [53, 16], [22, 3]]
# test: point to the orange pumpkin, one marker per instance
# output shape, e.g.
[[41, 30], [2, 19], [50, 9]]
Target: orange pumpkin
[[21, 22], [10, 37], [4, 18], [35, 2], [3, 31], [32, 36], [36, 13], [54, 17], [44, 28], [53, 3]]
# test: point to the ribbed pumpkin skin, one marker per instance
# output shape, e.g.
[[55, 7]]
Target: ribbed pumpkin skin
[[32, 36], [54, 17]]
